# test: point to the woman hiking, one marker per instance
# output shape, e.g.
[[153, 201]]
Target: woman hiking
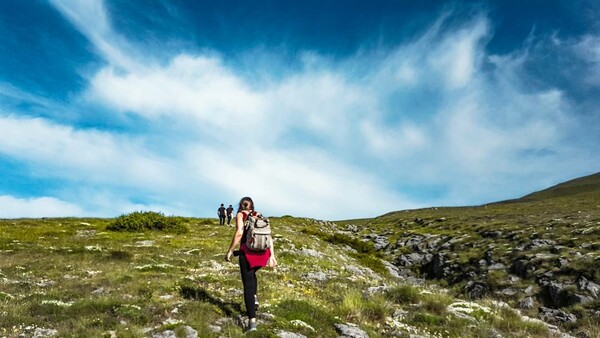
[[250, 261]]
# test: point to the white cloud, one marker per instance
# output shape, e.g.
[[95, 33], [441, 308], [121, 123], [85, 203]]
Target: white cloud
[[82, 155], [198, 89], [91, 18], [303, 183], [329, 140], [11, 207]]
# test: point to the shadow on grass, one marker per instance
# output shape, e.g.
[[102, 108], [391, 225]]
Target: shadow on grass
[[198, 293]]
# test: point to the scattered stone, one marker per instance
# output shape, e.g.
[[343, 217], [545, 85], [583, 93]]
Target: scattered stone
[[410, 259], [99, 291], [171, 321], [583, 284], [189, 332], [508, 292], [556, 316], [529, 290], [110, 334], [476, 290], [266, 316], [361, 272], [310, 253], [579, 299], [165, 334], [375, 289], [351, 228], [350, 330], [380, 242], [43, 333], [536, 243], [522, 268], [145, 243], [286, 334], [491, 234], [166, 297], [562, 262], [527, 303], [556, 293], [299, 323], [467, 307], [85, 233], [318, 276], [392, 269], [497, 266]]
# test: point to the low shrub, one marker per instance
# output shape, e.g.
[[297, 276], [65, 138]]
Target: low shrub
[[404, 294], [148, 220]]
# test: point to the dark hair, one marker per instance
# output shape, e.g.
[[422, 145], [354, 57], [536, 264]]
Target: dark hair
[[246, 203]]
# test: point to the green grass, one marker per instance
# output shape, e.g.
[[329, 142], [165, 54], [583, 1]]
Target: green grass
[[74, 276]]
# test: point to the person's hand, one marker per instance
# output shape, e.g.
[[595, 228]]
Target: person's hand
[[228, 256], [272, 262]]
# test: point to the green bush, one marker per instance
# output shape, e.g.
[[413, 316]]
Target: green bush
[[404, 294], [148, 220]]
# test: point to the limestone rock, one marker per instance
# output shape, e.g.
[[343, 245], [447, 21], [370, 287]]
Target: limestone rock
[[318, 276], [286, 334], [350, 330], [556, 316], [527, 303]]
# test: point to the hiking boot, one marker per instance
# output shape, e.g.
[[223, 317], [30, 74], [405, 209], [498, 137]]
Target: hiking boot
[[251, 326]]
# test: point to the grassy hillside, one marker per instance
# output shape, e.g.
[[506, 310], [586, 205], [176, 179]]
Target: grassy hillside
[[582, 185], [73, 278]]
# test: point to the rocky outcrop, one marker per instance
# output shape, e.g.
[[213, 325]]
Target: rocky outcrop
[[350, 330], [556, 316]]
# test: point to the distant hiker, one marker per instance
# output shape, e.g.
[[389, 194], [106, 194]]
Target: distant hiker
[[229, 214], [250, 259], [221, 213]]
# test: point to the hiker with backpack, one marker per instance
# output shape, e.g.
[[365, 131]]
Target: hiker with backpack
[[253, 234], [229, 214], [221, 213]]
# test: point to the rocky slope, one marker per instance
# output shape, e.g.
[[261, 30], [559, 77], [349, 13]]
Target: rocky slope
[[539, 253]]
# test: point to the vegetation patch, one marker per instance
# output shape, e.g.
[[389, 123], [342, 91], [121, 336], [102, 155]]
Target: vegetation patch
[[148, 220]]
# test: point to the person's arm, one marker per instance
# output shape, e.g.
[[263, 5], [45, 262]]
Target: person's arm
[[237, 236], [272, 260]]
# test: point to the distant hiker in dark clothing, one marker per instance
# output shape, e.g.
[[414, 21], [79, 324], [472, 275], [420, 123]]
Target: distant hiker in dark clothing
[[229, 214], [222, 214], [250, 261]]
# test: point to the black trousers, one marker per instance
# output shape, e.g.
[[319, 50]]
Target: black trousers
[[250, 285], [222, 220], [228, 219]]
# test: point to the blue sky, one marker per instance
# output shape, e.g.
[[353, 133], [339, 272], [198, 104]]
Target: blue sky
[[322, 109]]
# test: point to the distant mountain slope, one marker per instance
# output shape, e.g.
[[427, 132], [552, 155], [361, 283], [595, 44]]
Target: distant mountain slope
[[577, 186]]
